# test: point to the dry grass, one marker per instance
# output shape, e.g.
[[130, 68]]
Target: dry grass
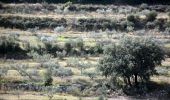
[[34, 96]]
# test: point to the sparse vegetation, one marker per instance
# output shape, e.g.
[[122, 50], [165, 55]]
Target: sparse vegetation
[[64, 51], [129, 60]]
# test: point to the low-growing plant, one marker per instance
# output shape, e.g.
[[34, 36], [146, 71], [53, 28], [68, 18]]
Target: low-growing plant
[[48, 80], [150, 25], [68, 46], [21, 68], [151, 16], [80, 44], [81, 65], [62, 72], [72, 62], [50, 92], [131, 18], [52, 48], [51, 65], [3, 72], [98, 48], [40, 57], [91, 75], [9, 44], [59, 29], [32, 72], [61, 55], [101, 97], [144, 6]]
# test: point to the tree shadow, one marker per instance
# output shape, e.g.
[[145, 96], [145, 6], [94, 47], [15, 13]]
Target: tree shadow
[[155, 91]]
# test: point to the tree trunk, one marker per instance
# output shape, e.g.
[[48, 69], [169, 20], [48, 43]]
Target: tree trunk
[[129, 82], [136, 79]]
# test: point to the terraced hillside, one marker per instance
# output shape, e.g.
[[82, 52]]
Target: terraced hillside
[[67, 41]]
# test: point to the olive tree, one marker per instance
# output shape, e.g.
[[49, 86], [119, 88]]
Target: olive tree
[[132, 59]]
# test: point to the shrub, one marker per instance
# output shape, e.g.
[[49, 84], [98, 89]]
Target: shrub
[[151, 16], [72, 62], [3, 72], [68, 46], [59, 29], [32, 72], [9, 44], [81, 65], [98, 48], [1, 5], [62, 72], [161, 70], [169, 15], [28, 22], [167, 51], [144, 6], [61, 55], [52, 48], [80, 43], [131, 18], [48, 77], [101, 97], [91, 75], [40, 58], [161, 24], [150, 25], [51, 65], [132, 58]]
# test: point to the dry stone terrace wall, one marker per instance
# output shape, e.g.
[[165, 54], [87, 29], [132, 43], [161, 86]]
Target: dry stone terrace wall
[[81, 24], [76, 7], [132, 2], [41, 88]]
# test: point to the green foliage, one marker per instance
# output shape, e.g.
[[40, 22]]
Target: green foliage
[[51, 47], [48, 78], [151, 16], [98, 48], [131, 18], [80, 43], [143, 6], [61, 55], [91, 75], [51, 65], [68, 46], [169, 14], [93, 1], [62, 72], [132, 59], [39, 57], [9, 44], [101, 97], [26, 22]]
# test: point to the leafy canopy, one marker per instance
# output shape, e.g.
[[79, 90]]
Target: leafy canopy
[[132, 59]]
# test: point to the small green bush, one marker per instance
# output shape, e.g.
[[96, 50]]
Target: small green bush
[[68, 46], [52, 48], [167, 51], [62, 72], [131, 18], [150, 25], [91, 75], [151, 16], [144, 6], [50, 64], [9, 44], [80, 43], [40, 57], [61, 55], [48, 78]]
